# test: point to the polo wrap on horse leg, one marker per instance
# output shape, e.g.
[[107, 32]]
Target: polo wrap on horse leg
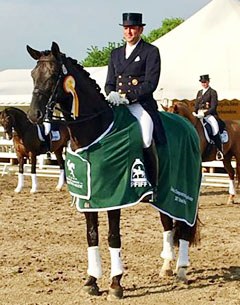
[[183, 258], [20, 182], [151, 166], [94, 262], [34, 183], [116, 262], [61, 179], [168, 248]]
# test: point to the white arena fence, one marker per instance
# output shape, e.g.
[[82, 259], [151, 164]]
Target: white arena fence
[[8, 156]]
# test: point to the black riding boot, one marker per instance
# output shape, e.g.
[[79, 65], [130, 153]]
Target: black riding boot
[[218, 143], [151, 167]]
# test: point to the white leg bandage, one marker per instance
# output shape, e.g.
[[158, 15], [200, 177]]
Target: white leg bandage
[[61, 180], [168, 250], [34, 183], [232, 190], [20, 183], [94, 262], [183, 258], [116, 262]]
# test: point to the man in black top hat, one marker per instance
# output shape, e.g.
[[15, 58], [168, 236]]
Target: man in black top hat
[[133, 75], [206, 107]]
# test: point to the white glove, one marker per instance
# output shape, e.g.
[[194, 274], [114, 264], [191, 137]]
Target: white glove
[[194, 113], [116, 99], [199, 115]]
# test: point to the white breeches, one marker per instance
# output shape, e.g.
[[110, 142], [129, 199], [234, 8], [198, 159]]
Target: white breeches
[[213, 122], [145, 122]]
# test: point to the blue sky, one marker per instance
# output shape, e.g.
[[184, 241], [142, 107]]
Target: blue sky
[[75, 25]]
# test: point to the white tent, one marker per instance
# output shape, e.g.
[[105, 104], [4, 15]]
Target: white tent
[[16, 86], [206, 43]]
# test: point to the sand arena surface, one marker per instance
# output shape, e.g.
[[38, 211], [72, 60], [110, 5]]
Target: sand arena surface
[[43, 251]]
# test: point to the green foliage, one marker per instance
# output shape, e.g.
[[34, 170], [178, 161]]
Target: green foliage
[[99, 57], [167, 26]]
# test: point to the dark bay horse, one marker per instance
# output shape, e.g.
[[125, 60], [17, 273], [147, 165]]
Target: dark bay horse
[[28, 145], [231, 148], [92, 122]]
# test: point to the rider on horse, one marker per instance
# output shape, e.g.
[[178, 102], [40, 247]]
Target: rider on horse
[[206, 107], [133, 75]]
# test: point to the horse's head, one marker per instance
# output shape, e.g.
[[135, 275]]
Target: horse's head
[[45, 76], [60, 79], [7, 121], [181, 108]]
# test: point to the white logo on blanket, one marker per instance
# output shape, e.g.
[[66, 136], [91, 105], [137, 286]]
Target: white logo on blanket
[[71, 168], [138, 176]]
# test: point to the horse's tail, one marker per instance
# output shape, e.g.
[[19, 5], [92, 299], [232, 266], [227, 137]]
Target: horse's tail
[[192, 234]]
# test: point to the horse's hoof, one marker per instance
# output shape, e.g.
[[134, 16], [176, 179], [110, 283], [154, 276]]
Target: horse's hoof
[[17, 190], [115, 294], [33, 191], [90, 290], [166, 273], [181, 276], [230, 201]]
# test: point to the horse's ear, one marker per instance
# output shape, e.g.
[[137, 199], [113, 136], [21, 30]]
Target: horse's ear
[[175, 108], [34, 53], [55, 49]]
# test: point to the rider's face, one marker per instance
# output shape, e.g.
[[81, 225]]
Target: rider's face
[[132, 33], [205, 84]]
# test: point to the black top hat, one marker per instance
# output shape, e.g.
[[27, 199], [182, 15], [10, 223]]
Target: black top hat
[[204, 78], [132, 19]]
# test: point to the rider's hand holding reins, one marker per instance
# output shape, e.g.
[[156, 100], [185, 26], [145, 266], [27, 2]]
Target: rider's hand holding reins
[[117, 99], [199, 115]]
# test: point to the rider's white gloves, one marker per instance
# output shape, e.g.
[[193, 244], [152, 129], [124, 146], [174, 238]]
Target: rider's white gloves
[[116, 99], [199, 115]]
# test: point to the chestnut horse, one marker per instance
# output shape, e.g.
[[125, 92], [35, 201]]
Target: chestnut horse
[[28, 145], [230, 149], [90, 120]]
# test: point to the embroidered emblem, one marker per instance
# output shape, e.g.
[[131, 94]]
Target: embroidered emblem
[[71, 167], [138, 176]]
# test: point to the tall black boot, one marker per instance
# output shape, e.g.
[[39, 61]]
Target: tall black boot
[[152, 167], [218, 143]]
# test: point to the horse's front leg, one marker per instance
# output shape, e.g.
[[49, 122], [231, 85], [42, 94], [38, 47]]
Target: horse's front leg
[[114, 241], [94, 261], [60, 161], [20, 174], [33, 159], [167, 253]]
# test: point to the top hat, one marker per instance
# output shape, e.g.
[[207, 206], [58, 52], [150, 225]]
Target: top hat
[[204, 78], [132, 19]]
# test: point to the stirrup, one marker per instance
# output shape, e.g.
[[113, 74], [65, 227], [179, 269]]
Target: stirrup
[[219, 156]]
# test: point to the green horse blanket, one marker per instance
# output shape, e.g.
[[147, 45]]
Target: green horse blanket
[[110, 173]]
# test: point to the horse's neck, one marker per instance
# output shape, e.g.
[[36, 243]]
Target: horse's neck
[[85, 133], [21, 125]]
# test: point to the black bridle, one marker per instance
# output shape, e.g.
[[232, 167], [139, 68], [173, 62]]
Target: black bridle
[[51, 104]]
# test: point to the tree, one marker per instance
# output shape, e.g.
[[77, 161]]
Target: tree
[[99, 57]]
